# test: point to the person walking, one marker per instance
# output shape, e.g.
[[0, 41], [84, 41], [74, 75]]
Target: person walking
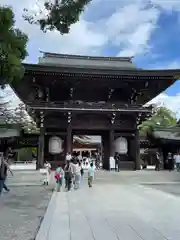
[[4, 168], [47, 166], [98, 161], [91, 172], [170, 162], [117, 162], [7, 169], [177, 161], [77, 175], [68, 174], [73, 163], [82, 172], [112, 163], [59, 176], [157, 161]]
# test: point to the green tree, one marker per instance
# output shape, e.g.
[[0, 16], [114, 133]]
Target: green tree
[[15, 118], [20, 117], [5, 110], [13, 45], [58, 15], [25, 154], [162, 117]]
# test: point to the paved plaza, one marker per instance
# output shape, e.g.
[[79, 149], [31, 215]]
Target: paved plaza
[[21, 212], [139, 205], [32, 177], [123, 211]]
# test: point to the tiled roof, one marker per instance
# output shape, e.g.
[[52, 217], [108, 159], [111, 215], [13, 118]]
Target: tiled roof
[[167, 135], [78, 61]]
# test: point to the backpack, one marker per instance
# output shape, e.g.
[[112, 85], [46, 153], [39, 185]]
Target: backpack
[[57, 174]]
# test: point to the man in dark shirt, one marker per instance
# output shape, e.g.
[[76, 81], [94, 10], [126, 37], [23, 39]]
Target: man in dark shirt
[[158, 161], [4, 168], [117, 161]]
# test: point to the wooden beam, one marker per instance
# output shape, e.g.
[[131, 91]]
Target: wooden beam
[[56, 133], [104, 108]]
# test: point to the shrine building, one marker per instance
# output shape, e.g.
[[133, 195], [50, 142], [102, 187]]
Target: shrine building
[[71, 95]]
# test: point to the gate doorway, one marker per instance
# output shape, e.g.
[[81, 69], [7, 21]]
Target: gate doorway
[[99, 145], [88, 149]]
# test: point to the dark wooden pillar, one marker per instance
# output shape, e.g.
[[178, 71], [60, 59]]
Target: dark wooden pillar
[[69, 139], [137, 151], [111, 143], [105, 143], [40, 158], [108, 147]]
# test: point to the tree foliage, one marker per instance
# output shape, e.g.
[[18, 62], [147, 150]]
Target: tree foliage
[[15, 117], [25, 154], [13, 45], [5, 110], [21, 118], [57, 14], [161, 118]]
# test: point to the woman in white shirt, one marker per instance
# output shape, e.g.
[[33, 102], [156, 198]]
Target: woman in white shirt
[[77, 175]]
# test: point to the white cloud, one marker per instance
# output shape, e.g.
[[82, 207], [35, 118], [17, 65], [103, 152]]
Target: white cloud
[[128, 28], [131, 27], [138, 41], [171, 102], [168, 5]]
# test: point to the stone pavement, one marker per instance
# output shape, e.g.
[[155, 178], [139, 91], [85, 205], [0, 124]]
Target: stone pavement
[[25, 178], [23, 166], [32, 177], [123, 211], [21, 211]]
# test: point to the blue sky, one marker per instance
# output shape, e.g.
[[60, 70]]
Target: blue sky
[[149, 30]]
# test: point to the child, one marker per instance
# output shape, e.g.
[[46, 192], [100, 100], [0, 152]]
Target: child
[[47, 173], [59, 175], [91, 171]]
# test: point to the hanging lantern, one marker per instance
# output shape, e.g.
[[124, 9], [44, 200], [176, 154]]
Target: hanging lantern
[[121, 145], [55, 145]]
